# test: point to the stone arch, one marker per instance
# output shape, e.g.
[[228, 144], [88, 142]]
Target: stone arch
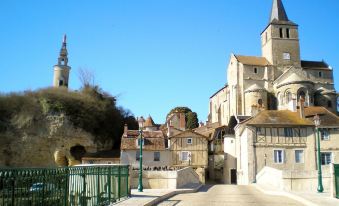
[[77, 152], [303, 93]]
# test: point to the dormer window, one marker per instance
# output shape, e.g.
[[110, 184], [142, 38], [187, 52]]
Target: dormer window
[[281, 33], [255, 70], [287, 33]]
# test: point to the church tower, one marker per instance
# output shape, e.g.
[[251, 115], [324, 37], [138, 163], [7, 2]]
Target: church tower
[[61, 70], [280, 39]]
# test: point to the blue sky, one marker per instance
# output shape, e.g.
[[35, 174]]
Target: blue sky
[[153, 54]]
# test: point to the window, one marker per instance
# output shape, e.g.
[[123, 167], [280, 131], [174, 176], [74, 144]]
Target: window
[[138, 142], [156, 156], [329, 104], [299, 156], [260, 102], [256, 70], [189, 140], [324, 134], [326, 158], [259, 131], [286, 56], [185, 156], [281, 33], [288, 97], [288, 132], [137, 155], [279, 156], [288, 33], [320, 74], [61, 82]]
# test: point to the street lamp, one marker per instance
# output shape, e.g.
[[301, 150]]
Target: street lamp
[[141, 122], [317, 122]]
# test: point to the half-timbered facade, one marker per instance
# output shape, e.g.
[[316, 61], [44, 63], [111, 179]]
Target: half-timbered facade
[[278, 139], [189, 149]]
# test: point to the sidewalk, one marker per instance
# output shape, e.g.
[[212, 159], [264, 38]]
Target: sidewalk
[[307, 198], [151, 197]]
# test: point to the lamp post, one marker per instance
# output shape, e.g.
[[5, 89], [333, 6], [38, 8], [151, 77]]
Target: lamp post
[[317, 124], [141, 122]]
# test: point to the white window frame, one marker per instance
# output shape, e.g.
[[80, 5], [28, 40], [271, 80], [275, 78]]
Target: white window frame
[[322, 134], [188, 156], [325, 162], [190, 138], [303, 156], [282, 158]]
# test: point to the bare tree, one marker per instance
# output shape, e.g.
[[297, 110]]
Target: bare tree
[[86, 77]]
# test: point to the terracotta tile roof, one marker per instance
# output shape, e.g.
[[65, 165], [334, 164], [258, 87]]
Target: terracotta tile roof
[[184, 134], [328, 119], [278, 118], [252, 60], [149, 122], [154, 140]]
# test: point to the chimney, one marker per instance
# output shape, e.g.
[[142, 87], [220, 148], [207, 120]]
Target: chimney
[[302, 108], [182, 121], [292, 105], [125, 129]]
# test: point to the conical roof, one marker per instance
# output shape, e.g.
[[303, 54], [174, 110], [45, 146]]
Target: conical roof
[[149, 122]]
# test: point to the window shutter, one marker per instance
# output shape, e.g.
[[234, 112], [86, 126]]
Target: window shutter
[[180, 158], [284, 156]]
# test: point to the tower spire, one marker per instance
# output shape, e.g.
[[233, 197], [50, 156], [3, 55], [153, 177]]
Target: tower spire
[[278, 11], [63, 59]]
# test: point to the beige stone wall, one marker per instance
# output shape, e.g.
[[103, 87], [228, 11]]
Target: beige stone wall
[[165, 179], [275, 46], [129, 157], [61, 73], [252, 99]]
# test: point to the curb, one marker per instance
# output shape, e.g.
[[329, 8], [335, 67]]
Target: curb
[[171, 194], [286, 194]]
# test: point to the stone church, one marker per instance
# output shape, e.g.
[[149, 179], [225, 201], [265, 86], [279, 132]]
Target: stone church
[[277, 79]]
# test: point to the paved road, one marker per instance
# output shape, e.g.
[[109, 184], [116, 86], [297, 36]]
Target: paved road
[[219, 195]]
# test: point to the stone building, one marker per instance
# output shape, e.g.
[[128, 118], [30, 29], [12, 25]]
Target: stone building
[[278, 148], [155, 152], [61, 70], [277, 79]]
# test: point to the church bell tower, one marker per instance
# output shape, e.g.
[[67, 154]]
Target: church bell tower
[[280, 39], [61, 70]]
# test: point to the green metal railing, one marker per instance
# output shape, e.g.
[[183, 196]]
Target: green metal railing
[[65, 186]]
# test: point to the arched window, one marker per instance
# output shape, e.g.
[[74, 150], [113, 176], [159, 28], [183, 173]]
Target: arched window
[[256, 70], [288, 97], [260, 102]]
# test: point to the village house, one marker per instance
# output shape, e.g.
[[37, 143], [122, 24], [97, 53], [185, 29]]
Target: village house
[[155, 153]]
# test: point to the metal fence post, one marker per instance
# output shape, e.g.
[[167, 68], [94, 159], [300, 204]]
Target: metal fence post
[[119, 181], [109, 184]]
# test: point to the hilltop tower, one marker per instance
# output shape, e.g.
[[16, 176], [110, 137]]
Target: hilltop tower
[[280, 39], [61, 70]]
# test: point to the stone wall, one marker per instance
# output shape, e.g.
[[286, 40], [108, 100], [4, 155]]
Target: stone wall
[[294, 180], [164, 179], [40, 144]]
